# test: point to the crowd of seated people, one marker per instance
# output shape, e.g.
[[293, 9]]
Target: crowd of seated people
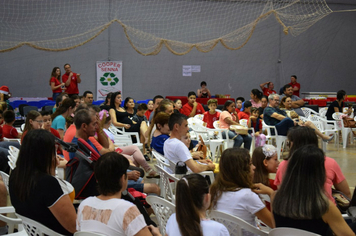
[[236, 189]]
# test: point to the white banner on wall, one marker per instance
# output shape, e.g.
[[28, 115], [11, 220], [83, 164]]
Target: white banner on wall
[[108, 78]]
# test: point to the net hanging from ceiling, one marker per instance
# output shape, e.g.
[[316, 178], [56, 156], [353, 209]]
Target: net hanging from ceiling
[[179, 25]]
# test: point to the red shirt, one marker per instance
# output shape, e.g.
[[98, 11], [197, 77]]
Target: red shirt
[[148, 113], [187, 109], [243, 115], [210, 118], [237, 110], [73, 86], [267, 92], [296, 93], [9, 131], [1, 133], [56, 83]]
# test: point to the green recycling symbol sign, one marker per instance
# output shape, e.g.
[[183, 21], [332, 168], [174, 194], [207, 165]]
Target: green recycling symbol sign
[[109, 79]]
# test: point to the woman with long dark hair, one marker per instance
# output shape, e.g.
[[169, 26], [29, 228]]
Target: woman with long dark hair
[[34, 191], [62, 112], [301, 136], [301, 202], [256, 96], [229, 117], [55, 83], [233, 191], [192, 201]]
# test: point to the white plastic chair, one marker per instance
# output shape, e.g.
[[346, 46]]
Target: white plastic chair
[[123, 138], [322, 112], [326, 127], [5, 179], [161, 160], [167, 184], [345, 131], [12, 140], [87, 233], [199, 116], [290, 232], [234, 224], [163, 210], [207, 135], [280, 139], [34, 228], [307, 112], [244, 122], [228, 143]]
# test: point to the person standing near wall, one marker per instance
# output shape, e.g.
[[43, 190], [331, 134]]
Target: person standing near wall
[[295, 85], [71, 80], [55, 82]]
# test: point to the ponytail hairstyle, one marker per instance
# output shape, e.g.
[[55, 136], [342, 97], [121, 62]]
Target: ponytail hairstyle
[[257, 93], [260, 154], [190, 193]]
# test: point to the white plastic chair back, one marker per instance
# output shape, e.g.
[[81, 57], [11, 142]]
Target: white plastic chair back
[[12, 140], [280, 139], [5, 179], [23, 127], [11, 221], [123, 138], [169, 187], [322, 112], [34, 228], [199, 116], [290, 232], [234, 224], [345, 131], [307, 112], [228, 142], [161, 160], [87, 233], [163, 210]]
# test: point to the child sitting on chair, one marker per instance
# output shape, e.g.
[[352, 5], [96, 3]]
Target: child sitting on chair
[[257, 126], [8, 130], [211, 115]]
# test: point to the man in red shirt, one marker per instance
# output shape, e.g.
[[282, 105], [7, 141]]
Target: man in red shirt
[[71, 80], [192, 108], [295, 85], [267, 90]]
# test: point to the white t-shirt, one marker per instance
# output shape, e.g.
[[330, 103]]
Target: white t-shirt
[[175, 150], [209, 227], [110, 217], [243, 203]]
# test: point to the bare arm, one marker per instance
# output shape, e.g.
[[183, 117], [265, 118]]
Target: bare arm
[[114, 120], [343, 187], [102, 138], [277, 116], [61, 133], [297, 104], [209, 94], [78, 78], [196, 168], [53, 87], [149, 231], [229, 121], [262, 86], [295, 88], [69, 79], [194, 110], [334, 219], [110, 148], [63, 210], [199, 93], [266, 216]]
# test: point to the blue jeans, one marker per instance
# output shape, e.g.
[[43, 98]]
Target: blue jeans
[[55, 95], [283, 126], [246, 139]]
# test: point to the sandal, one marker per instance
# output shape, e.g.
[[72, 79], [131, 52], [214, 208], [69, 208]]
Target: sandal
[[328, 140]]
